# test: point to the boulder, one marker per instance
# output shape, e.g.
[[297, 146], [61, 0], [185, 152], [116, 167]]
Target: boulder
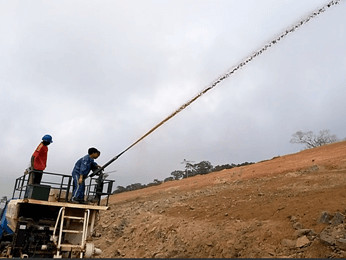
[[325, 217], [302, 241], [297, 225], [341, 243], [338, 219], [288, 243], [303, 231], [326, 236]]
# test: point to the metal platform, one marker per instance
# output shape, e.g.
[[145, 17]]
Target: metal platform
[[62, 204]]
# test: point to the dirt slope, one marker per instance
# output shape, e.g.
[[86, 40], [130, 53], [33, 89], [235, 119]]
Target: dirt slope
[[289, 206]]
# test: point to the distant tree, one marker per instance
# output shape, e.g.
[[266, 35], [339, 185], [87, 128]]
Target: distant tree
[[203, 167], [311, 140], [189, 170], [222, 167], [3, 199], [168, 179], [156, 181], [244, 164], [119, 189], [2, 204], [177, 174], [135, 186]]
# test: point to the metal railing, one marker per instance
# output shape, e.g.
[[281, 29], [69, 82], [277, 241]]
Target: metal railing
[[98, 187], [95, 188]]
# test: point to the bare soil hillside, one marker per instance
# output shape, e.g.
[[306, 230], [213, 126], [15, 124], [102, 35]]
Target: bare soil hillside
[[289, 206]]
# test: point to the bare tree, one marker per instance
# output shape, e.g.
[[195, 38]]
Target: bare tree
[[311, 140], [188, 168], [3, 202]]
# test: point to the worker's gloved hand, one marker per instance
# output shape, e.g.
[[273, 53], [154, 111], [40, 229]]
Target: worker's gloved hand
[[27, 170]]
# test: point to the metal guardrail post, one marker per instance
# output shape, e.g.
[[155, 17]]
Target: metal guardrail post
[[68, 189]]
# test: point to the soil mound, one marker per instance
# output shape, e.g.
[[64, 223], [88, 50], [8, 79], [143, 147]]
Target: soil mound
[[289, 206]]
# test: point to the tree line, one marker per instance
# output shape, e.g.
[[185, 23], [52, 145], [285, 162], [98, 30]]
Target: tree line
[[309, 139], [201, 168]]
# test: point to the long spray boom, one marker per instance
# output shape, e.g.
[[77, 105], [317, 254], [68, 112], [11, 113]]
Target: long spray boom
[[226, 75]]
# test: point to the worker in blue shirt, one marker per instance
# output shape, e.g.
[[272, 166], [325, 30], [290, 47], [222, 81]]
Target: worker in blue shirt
[[81, 171]]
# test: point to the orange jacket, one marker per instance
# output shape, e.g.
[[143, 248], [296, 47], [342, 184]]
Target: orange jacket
[[40, 157]]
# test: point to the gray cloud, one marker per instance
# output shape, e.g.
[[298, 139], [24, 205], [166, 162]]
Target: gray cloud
[[102, 73]]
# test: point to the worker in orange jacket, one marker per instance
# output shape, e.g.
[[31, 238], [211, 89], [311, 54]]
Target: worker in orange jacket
[[39, 160]]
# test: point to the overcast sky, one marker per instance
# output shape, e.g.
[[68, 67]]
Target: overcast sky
[[102, 73]]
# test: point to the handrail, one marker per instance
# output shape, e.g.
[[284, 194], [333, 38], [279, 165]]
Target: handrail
[[93, 191], [56, 223]]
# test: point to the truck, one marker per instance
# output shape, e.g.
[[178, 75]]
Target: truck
[[41, 221]]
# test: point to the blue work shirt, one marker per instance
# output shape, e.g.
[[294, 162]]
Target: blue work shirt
[[83, 166]]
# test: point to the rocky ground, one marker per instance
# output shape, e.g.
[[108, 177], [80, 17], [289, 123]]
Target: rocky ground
[[288, 206]]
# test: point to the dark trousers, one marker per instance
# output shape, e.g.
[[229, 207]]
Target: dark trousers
[[78, 189], [35, 177]]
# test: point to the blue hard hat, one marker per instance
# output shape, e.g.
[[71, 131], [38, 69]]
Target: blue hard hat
[[47, 138]]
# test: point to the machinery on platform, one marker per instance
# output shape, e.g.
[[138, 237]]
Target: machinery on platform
[[39, 220]]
